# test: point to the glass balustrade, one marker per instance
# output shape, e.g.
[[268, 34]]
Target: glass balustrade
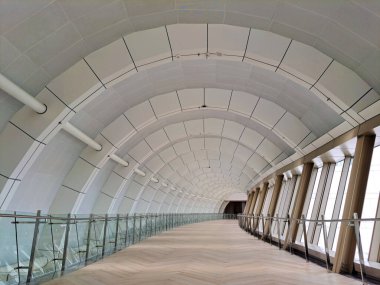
[[38, 247]]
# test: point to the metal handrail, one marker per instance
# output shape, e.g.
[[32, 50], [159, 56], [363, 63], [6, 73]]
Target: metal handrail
[[246, 221], [315, 220], [76, 235]]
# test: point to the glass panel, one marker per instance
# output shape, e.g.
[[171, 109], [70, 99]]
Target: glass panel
[[342, 207], [313, 195], [8, 262], [331, 198]]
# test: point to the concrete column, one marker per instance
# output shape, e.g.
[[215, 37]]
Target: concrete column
[[345, 251], [252, 206], [247, 205], [261, 198], [299, 202], [254, 199], [273, 201]]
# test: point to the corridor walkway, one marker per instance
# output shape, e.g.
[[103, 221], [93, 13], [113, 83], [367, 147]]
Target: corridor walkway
[[216, 252]]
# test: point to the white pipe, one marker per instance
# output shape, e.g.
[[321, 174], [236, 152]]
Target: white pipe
[[154, 179], [139, 172], [119, 160], [19, 94], [81, 136]]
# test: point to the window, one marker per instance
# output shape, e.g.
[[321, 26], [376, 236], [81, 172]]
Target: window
[[342, 207], [370, 202], [332, 196], [312, 199]]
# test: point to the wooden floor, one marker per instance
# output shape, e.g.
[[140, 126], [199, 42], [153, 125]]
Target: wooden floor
[[216, 252]]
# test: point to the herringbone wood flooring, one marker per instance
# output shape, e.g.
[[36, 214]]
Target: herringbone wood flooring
[[216, 252]]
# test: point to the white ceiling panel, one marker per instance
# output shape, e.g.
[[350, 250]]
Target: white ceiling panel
[[292, 128], [194, 127], [370, 98], [193, 165], [182, 147], [165, 104], [157, 139], [119, 130], [176, 131], [371, 111], [141, 115], [212, 143], [232, 130], [217, 98], [213, 154], [243, 102], [183, 44], [177, 163], [249, 172], [228, 146], [251, 138], [140, 151], [268, 150], [154, 164], [204, 163], [198, 172], [213, 126], [196, 144], [168, 154], [200, 154], [257, 162], [110, 61], [148, 46], [305, 62], [191, 98], [75, 84], [214, 163], [266, 47], [166, 171], [227, 40], [268, 112], [188, 157], [243, 153], [350, 88]]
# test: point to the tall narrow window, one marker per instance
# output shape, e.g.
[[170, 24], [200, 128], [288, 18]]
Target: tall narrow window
[[331, 198], [341, 208], [313, 196], [370, 201]]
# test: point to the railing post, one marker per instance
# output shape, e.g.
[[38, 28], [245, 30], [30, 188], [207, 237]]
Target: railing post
[[270, 228], [117, 232], [146, 225], [305, 238], [134, 229], [66, 242], [278, 232], [17, 251], [33, 250], [360, 248], [104, 234], [263, 225], [324, 232], [88, 240], [126, 241], [140, 227]]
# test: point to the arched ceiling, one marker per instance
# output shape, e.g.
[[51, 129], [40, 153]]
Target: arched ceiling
[[160, 98], [42, 38]]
